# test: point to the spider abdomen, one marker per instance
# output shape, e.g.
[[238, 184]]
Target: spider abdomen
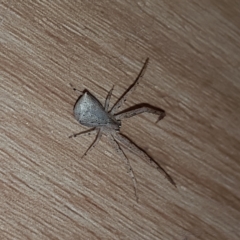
[[88, 111]]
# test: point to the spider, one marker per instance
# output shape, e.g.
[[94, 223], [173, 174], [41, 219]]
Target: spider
[[89, 112]]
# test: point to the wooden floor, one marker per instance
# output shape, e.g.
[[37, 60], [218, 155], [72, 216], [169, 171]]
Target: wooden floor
[[48, 192]]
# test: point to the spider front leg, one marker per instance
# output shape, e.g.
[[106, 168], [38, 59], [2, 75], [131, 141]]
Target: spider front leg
[[144, 108], [126, 160], [135, 149], [123, 98], [75, 89]]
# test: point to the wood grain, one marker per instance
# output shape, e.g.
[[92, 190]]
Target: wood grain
[[47, 191]]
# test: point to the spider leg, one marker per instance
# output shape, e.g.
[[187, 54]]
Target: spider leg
[[106, 105], [130, 89], [135, 149], [95, 142], [87, 132], [75, 89], [139, 110], [128, 165]]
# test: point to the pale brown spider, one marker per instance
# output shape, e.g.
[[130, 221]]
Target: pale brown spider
[[91, 113]]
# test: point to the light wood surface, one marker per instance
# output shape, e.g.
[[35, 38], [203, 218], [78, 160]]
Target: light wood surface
[[48, 192]]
